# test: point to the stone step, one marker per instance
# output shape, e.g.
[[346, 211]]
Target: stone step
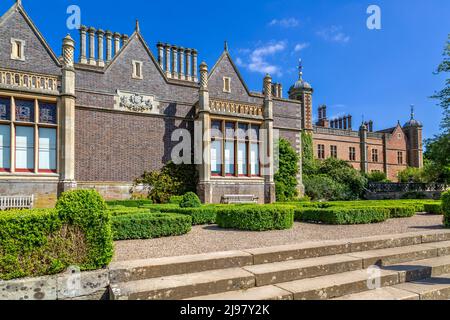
[[352, 285], [272, 273], [183, 286], [160, 267], [434, 288], [387, 293], [153, 268], [265, 293]]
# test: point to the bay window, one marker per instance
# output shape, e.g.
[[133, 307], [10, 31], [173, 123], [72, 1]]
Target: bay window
[[28, 136], [239, 147]]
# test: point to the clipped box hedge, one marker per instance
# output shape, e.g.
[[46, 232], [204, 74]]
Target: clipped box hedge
[[446, 208], [342, 216], [200, 216], [42, 242], [401, 211], [433, 208], [129, 203], [146, 225], [255, 217]]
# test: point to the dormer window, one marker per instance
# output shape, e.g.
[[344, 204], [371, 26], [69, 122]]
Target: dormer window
[[137, 70], [226, 84], [17, 49]]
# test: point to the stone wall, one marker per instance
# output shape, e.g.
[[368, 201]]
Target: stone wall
[[44, 190]]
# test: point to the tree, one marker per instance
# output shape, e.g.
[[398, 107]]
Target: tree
[[286, 177]]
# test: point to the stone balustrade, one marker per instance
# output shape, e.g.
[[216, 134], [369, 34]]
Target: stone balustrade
[[24, 80]]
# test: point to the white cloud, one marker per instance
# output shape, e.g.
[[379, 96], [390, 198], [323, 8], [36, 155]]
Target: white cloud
[[258, 58], [334, 34], [301, 46], [285, 23]]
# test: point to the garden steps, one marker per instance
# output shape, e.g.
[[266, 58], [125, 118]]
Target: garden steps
[[288, 275], [353, 285]]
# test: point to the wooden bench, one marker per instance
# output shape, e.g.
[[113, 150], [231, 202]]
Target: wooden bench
[[239, 199], [16, 202]]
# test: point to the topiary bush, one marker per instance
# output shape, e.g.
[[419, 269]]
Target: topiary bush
[[446, 208], [87, 210], [342, 216], [433, 208], [148, 225], [175, 199], [286, 176], [42, 242], [256, 218], [190, 200], [200, 216]]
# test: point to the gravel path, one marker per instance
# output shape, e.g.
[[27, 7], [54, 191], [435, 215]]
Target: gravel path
[[203, 239]]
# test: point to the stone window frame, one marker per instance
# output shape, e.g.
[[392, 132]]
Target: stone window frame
[[225, 81], [136, 75], [352, 153], [36, 124], [334, 151], [375, 155], [400, 159], [236, 140], [21, 56], [321, 151]]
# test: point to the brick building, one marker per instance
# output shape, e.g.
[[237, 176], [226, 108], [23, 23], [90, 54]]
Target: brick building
[[102, 120], [390, 150]]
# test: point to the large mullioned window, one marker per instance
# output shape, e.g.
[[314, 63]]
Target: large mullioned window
[[28, 136], [235, 149]]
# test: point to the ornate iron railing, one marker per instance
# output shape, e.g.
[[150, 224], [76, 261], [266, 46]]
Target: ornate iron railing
[[405, 187]]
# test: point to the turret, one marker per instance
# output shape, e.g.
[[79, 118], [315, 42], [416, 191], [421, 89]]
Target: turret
[[302, 91], [413, 131]]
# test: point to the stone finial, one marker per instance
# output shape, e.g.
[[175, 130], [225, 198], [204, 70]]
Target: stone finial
[[203, 76], [68, 51], [138, 28], [125, 39], [268, 87], [225, 46], [19, 3]]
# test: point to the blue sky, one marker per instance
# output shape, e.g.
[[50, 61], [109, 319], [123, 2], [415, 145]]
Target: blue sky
[[354, 70]]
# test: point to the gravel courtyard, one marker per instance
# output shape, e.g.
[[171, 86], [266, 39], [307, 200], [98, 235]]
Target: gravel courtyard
[[203, 239]]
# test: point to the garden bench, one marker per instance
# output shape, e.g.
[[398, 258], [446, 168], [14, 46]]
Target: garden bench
[[16, 202], [239, 199]]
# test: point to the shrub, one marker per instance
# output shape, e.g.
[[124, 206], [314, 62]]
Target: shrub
[[159, 185], [342, 216], [42, 242], [411, 175], [190, 200], [200, 216], [286, 176], [446, 208], [87, 210], [401, 211], [175, 199], [433, 208], [129, 203], [377, 176], [256, 218], [119, 211], [150, 225], [322, 187]]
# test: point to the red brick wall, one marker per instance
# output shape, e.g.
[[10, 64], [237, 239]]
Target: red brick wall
[[343, 144], [395, 143]]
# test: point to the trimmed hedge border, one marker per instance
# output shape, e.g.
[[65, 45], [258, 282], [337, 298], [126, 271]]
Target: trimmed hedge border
[[256, 218], [434, 208], [129, 203], [200, 216], [43, 242], [342, 216], [150, 225], [446, 208]]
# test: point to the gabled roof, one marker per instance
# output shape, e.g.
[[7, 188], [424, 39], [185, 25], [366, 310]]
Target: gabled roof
[[17, 7], [226, 54]]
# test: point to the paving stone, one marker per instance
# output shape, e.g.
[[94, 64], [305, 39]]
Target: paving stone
[[434, 288], [78, 284], [337, 285], [396, 255], [421, 269], [384, 242], [387, 293], [258, 293], [300, 269], [152, 268], [184, 286]]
